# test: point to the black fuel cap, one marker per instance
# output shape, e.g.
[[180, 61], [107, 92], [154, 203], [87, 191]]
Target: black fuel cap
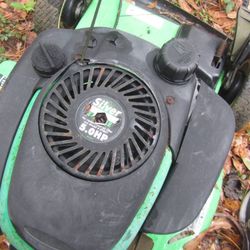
[[47, 59], [177, 60]]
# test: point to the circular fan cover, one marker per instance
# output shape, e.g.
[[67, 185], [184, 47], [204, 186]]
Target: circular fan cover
[[99, 122]]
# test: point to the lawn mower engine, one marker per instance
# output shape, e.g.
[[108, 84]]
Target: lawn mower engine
[[85, 139]]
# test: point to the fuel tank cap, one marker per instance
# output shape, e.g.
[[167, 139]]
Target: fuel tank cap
[[177, 60]]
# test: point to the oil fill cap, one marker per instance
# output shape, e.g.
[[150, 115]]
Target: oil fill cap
[[47, 59], [177, 60]]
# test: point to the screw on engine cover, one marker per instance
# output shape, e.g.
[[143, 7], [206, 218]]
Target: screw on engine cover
[[170, 100]]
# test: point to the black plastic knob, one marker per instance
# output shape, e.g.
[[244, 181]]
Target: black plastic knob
[[177, 61], [47, 59]]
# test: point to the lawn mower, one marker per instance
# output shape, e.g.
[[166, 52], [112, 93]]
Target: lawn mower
[[114, 133]]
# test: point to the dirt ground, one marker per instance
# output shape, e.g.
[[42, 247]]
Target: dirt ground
[[17, 33]]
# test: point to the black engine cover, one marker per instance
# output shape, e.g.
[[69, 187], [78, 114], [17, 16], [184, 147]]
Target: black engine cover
[[54, 209]]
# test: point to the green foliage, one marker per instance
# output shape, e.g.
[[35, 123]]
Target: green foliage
[[2, 56], [3, 21], [5, 34], [230, 5], [2, 50], [9, 30], [204, 16], [27, 7]]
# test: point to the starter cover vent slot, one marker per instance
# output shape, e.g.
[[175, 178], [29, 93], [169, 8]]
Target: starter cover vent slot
[[99, 122]]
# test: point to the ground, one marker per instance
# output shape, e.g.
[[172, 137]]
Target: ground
[[16, 28], [16, 34], [220, 14]]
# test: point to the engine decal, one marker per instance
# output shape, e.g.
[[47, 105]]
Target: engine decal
[[100, 119]]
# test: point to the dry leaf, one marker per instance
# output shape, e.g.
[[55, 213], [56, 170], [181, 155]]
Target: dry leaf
[[228, 165], [217, 14], [185, 6], [3, 5], [232, 15], [246, 184], [232, 205], [219, 223], [239, 166], [246, 162], [31, 37], [152, 5], [193, 4], [194, 244], [4, 245]]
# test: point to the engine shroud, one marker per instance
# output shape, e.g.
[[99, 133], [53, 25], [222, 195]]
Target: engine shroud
[[76, 188], [100, 123]]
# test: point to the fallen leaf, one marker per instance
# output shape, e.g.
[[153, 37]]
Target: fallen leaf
[[217, 14], [193, 4], [246, 162], [229, 240], [232, 15], [239, 166], [232, 205], [31, 37], [4, 245], [185, 6], [246, 184], [152, 5], [3, 5], [228, 165], [219, 223], [194, 244]]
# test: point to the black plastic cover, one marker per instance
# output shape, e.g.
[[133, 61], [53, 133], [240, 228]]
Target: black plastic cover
[[41, 195], [19, 88], [201, 158], [207, 45], [54, 210], [24, 79]]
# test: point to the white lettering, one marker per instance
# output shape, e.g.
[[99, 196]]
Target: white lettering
[[118, 113], [91, 131], [104, 137], [97, 134], [97, 101], [103, 105], [82, 127]]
